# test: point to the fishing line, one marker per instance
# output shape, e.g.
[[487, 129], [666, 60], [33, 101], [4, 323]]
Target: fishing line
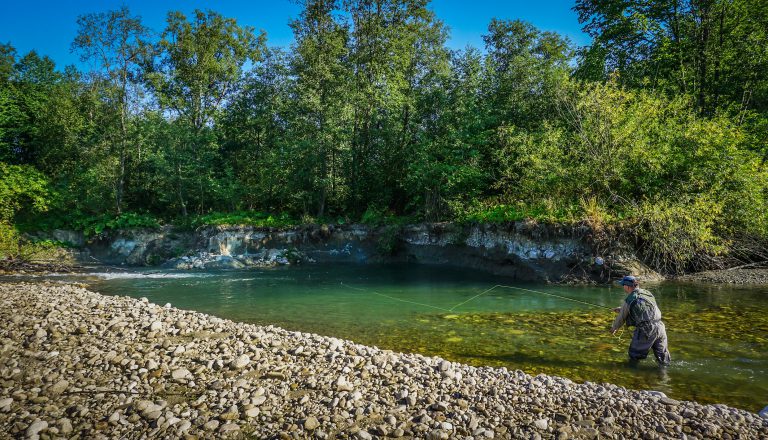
[[394, 298], [533, 291], [481, 294], [543, 293]]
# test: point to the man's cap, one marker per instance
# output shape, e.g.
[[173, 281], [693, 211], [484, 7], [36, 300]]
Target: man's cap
[[628, 280]]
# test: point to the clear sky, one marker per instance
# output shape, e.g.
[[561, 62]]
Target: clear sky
[[49, 26]]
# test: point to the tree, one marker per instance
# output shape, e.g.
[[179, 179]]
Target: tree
[[200, 67], [524, 68], [712, 50], [322, 74], [34, 80], [449, 172], [7, 60], [397, 50], [9, 110], [253, 133], [118, 44]]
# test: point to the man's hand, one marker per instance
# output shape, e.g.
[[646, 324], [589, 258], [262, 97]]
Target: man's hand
[[613, 332], [617, 310]]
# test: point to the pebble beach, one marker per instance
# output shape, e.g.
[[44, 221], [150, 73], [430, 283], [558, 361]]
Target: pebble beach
[[75, 364]]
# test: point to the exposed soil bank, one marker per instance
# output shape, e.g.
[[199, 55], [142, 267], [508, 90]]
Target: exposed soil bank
[[521, 250], [77, 364]]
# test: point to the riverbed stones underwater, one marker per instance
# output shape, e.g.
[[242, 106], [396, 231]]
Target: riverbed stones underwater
[[75, 364]]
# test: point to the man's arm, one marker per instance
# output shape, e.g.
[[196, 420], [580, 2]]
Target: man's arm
[[621, 316]]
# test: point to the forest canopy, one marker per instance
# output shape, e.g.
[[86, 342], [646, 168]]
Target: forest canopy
[[658, 128]]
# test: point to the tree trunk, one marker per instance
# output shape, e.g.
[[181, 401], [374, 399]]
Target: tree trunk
[[179, 191], [123, 147]]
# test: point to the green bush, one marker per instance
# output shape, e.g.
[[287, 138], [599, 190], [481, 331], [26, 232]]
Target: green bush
[[90, 225], [245, 218], [14, 246], [684, 186], [98, 225], [376, 217], [677, 236], [23, 189]]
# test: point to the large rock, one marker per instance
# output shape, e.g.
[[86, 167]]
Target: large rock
[[223, 262], [73, 238]]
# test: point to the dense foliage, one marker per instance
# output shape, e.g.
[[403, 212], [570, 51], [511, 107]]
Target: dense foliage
[[656, 133]]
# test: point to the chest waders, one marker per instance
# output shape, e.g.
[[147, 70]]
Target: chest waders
[[650, 332]]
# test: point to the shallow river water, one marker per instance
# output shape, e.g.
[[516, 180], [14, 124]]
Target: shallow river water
[[718, 334]]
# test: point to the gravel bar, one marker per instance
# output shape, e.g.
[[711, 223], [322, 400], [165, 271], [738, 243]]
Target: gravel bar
[[76, 364], [729, 276]]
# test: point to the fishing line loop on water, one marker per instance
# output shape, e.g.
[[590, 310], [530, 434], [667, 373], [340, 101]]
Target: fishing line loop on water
[[395, 298]]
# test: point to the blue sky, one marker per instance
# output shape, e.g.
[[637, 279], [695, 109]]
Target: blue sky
[[49, 26]]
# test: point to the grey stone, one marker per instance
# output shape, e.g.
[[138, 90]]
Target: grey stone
[[241, 362], [231, 414], [667, 401], [311, 423], [211, 425], [59, 387], [229, 427], [181, 373], [35, 427], [152, 415], [677, 418], [65, 426], [184, 426], [363, 435]]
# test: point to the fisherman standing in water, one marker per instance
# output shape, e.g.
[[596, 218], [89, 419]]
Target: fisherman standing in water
[[640, 310]]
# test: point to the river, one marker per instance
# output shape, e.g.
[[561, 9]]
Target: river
[[718, 335]]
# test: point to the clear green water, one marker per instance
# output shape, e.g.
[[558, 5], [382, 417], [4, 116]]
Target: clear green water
[[718, 335]]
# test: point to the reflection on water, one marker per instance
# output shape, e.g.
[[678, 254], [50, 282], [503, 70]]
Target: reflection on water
[[718, 335]]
